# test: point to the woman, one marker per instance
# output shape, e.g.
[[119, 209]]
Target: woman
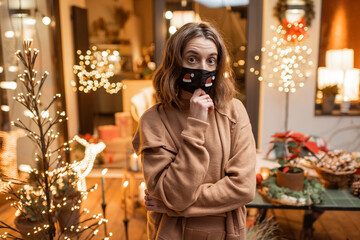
[[196, 144]]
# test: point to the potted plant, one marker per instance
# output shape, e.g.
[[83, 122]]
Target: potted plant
[[329, 93], [288, 148], [30, 203], [66, 200]]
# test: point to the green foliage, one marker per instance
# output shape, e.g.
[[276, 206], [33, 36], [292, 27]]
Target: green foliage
[[66, 185], [290, 146], [32, 203], [282, 162], [330, 90], [297, 170], [313, 191]]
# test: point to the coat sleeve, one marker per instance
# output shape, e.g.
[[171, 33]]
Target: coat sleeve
[[173, 178], [238, 186]]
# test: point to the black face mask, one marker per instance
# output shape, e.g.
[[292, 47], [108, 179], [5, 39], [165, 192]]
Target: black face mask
[[192, 79]]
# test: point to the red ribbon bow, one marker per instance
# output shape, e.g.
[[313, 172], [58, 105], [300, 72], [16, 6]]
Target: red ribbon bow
[[294, 31]]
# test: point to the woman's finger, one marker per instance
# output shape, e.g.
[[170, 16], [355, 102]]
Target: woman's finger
[[201, 98], [149, 203], [198, 92], [149, 208], [158, 209]]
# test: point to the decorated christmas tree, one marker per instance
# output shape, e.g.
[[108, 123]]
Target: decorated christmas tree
[[51, 192]]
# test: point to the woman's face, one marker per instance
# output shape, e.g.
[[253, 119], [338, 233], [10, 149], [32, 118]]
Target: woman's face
[[200, 53]]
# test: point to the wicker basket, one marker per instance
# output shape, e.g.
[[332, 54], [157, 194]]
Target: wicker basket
[[333, 179]]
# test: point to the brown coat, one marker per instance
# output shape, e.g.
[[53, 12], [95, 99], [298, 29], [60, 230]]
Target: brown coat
[[175, 166]]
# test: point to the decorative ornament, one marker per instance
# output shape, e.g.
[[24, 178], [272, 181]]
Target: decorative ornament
[[283, 5], [313, 193], [295, 31], [94, 70], [286, 67], [295, 18], [84, 167], [33, 198], [355, 185]]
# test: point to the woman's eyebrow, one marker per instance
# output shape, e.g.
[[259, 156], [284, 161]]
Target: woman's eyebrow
[[197, 53], [191, 52]]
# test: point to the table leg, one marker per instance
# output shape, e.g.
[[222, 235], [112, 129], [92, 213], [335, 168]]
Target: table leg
[[310, 217], [262, 214]]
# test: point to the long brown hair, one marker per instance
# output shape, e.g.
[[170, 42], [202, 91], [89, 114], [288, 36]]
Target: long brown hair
[[165, 77]]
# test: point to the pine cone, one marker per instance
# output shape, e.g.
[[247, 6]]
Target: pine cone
[[355, 188], [356, 177]]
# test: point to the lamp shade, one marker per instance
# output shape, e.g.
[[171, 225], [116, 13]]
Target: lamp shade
[[327, 76], [351, 84], [340, 59], [347, 58]]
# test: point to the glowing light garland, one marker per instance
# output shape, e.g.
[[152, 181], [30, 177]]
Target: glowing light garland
[[34, 198], [287, 66], [94, 70]]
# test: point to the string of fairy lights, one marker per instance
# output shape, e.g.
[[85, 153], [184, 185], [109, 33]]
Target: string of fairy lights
[[287, 66], [35, 198], [94, 69]]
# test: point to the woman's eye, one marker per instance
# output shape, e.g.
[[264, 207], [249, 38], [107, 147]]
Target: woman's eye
[[192, 59], [212, 61]]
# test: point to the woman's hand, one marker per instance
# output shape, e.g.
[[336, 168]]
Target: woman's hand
[[201, 105], [153, 204]]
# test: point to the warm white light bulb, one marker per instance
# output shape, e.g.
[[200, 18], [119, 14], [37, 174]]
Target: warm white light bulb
[[45, 114], [9, 34], [104, 53], [28, 113], [46, 20], [168, 14], [8, 85], [172, 29], [5, 108], [12, 68]]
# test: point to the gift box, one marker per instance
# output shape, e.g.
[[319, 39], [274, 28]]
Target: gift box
[[116, 150], [108, 132], [123, 121]]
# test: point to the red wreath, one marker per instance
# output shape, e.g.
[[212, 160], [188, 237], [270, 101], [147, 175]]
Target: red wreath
[[294, 31]]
